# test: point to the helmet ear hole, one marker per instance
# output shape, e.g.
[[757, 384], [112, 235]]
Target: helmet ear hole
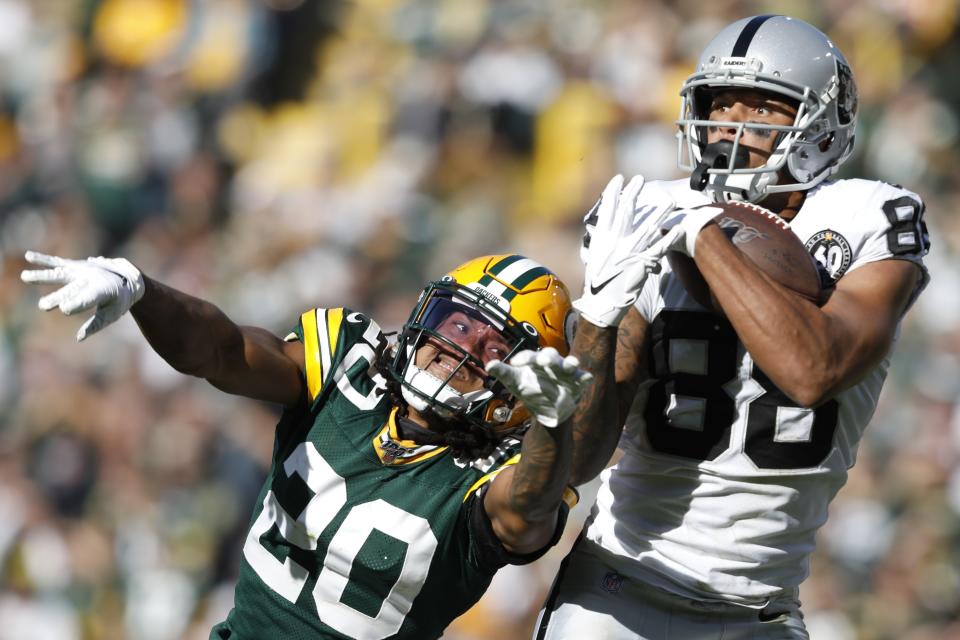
[[827, 142], [530, 330]]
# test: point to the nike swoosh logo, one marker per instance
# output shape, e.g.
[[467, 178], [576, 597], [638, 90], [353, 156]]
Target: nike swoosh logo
[[595, 289]]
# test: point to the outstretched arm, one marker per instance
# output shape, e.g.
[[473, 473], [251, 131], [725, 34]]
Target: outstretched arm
[[523, 501], [192, 335], [196, 338]]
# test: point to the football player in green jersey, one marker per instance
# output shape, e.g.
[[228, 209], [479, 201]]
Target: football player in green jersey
[[404, 473]]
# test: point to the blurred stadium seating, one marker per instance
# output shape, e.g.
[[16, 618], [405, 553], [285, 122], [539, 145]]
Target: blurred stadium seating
[[277, 155]]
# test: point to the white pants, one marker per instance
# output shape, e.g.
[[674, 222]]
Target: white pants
[[591, 601]]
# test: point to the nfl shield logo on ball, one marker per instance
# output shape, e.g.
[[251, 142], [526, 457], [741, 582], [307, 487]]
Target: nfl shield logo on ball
[[611, 582]]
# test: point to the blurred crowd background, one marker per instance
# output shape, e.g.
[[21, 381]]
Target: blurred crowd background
[[277, 155]]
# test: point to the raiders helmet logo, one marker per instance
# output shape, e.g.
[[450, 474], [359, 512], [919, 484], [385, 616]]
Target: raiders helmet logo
[[832, 251]]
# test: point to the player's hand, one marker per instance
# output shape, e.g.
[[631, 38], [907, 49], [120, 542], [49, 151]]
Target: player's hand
[[615, 263], [548, 385], [111, 285], [682, 227]]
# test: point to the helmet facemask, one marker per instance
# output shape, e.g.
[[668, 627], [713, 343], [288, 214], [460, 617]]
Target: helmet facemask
[[791, 61], [432, 393]]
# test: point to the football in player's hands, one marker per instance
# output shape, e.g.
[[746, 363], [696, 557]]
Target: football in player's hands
[[767, 240]]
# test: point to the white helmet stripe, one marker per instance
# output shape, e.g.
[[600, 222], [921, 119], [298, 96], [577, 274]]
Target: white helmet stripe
[[516, 270]]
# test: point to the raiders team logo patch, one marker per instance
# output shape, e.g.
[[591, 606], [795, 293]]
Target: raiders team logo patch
[[611, 582], [832, 251]]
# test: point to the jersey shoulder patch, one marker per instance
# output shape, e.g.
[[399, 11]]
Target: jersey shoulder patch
[[849, 223]]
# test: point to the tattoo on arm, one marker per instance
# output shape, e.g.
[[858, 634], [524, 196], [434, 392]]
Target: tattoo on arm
[[596, 348], [543, 472], [615, 359]]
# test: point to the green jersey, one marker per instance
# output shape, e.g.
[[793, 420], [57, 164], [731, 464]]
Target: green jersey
[[357, 533]]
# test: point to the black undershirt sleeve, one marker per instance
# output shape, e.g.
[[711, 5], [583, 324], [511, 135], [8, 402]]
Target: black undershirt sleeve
[[487, 548]]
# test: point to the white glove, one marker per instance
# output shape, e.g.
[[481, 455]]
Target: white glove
[[589, 226], [112, 285], [683, 226], [615, 265], [548, 385]]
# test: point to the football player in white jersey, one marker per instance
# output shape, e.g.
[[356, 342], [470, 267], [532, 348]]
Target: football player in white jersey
[[737, 429]]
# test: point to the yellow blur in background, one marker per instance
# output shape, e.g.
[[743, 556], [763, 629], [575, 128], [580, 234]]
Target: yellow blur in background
[[273, 156]]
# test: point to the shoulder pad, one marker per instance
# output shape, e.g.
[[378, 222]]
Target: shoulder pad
[[320, 331], [327, 335]]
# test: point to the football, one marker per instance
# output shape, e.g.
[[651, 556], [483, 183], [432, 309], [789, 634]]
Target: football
[[767, 240]]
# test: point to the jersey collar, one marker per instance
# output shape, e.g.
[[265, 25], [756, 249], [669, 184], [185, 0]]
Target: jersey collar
[[392, 449]]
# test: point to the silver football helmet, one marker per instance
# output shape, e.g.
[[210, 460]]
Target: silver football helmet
[[783, 56]]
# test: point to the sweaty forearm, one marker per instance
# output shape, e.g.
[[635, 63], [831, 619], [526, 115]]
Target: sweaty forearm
[[191, 334], [597, 420]]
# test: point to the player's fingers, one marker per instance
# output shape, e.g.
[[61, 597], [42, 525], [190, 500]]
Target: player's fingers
[[569, 365], [548, 356], [502, 371], [638, 264], [628, 199], [93, 324], [659, 248], [81, 300], [634, 269], [547, 364], [657, 220], [42, 259], [53, 300], [71, 299], [573, 377], [523, 358], [57, 275], [606, 214]]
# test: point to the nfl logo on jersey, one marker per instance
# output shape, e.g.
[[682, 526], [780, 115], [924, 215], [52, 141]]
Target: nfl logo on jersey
[[611, 582]]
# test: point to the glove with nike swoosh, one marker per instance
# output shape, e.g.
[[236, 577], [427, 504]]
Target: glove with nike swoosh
[[616, 263]]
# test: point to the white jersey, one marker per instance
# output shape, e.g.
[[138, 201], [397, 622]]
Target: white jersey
[[725, 479]]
